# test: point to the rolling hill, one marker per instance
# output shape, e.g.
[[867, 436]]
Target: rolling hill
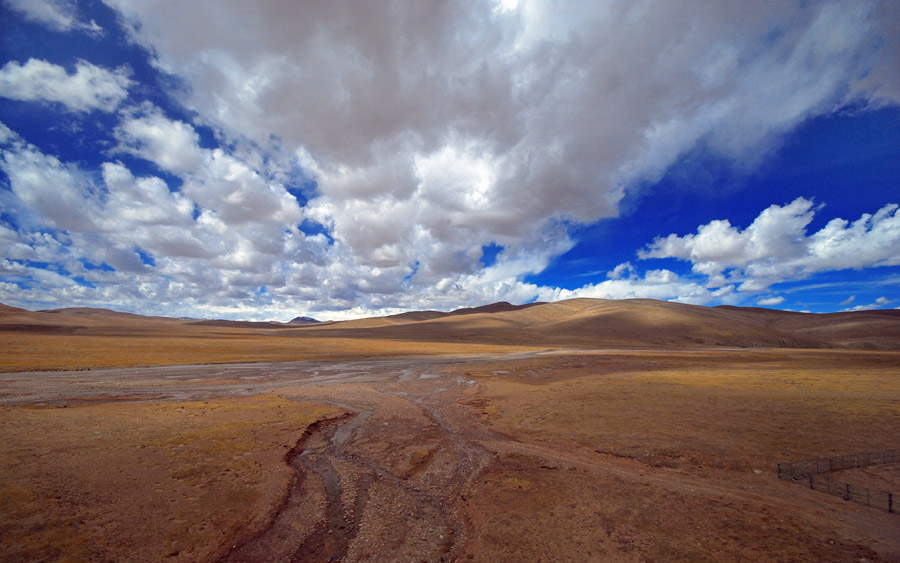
[[584, 323]]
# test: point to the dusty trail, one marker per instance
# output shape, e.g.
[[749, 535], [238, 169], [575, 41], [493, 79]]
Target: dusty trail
[[352, 496], [189, 382], [289, 525]]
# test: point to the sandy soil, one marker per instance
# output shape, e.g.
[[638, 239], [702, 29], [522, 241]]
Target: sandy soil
[[651, 455]]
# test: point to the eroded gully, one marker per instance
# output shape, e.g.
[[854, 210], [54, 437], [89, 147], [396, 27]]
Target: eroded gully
[[357, 495]]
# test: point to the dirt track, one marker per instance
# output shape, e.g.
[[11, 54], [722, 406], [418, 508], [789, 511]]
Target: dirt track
[[422, 466]]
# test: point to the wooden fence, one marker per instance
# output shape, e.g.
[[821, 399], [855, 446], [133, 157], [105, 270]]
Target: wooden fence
[[813, 472]]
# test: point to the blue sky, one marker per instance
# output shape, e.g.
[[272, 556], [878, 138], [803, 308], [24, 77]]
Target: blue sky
[[337, 160]]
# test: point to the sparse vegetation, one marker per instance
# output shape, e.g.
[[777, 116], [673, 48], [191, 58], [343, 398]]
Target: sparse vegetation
[[484, 450], [143, 481]]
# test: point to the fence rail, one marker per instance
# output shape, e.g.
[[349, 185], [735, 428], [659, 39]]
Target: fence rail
[[863, 495], [812, 472], [802, 469]]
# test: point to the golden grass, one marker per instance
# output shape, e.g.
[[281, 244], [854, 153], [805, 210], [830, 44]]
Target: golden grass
[[85, 338], [143, 481], [32, 352], [740, 411], [721, 420], [155, 480]]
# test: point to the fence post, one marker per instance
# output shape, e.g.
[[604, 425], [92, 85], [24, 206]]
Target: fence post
[[811, 481], [848, 496], [890, 501]]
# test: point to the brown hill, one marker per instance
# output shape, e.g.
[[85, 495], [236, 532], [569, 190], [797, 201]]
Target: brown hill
[[70, 320], [587, 323], [501, 307], [636, 323], [877, 329]]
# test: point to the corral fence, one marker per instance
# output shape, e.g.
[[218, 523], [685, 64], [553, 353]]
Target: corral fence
[[813, 472]]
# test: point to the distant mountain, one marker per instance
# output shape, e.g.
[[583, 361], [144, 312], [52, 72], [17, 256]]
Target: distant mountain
[[500, 307], [429, 315], [303, 321]]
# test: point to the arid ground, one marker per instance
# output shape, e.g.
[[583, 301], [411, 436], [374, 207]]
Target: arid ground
[[574, 431]]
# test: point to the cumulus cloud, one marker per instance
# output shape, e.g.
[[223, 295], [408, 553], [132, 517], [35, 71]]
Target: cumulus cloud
[[58, 15], [159, 243], [776, 247], [172, 145], [90, 87], [430, 130], [213, 178], [478, 125], [51, 189], [622, 271], [770, 301]]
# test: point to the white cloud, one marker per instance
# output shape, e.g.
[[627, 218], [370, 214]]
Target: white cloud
[[206, 258], [213, 178], [58, 15], [622, 271], [848, 300], [664, 285], [56, 192], [451, 126], [776, 247], [879, 303], [431, 130], [90, 88], [143, 201], [770, 301], [145, 132]]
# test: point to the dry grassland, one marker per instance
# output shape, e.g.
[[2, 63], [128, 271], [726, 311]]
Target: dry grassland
[[462, 442], [34, 351], [172, 481], [696, 437], [616, 455]]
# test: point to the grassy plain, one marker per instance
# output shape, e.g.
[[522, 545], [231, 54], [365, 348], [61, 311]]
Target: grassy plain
[[577, 431], [34, 352]]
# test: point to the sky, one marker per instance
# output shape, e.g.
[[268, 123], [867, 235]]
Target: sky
[[341, 159]]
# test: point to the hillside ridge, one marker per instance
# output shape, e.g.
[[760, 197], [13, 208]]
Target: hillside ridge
[[582, 322]]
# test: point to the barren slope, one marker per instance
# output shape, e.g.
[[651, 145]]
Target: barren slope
[[600, 323], [878, 329]]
